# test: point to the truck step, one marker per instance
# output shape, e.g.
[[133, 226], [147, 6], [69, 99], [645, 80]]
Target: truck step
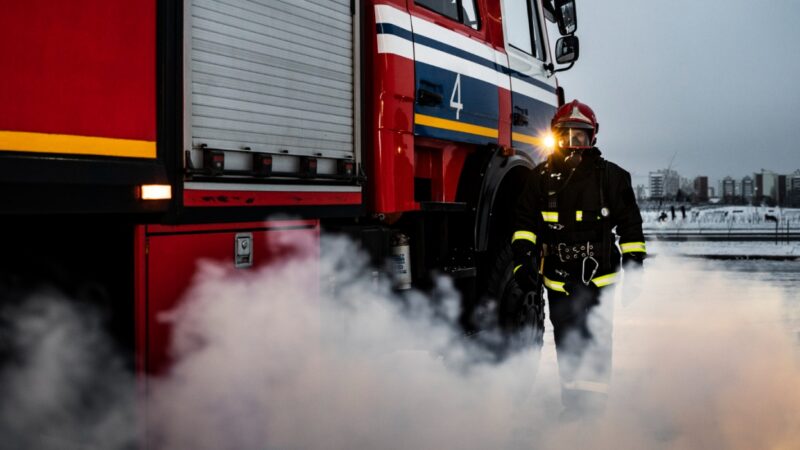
[[460, 272], [443, 206]]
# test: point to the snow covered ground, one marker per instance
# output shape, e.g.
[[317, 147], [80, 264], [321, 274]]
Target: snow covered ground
[[722, 218], [723, 248]]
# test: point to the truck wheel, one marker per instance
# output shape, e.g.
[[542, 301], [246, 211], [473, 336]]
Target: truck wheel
[[519, 314]]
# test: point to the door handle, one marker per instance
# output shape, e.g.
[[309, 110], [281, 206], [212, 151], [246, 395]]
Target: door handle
[[429, 94], [426, 97], [519, 117]]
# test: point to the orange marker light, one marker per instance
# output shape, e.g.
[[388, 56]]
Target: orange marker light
[[155, 191]]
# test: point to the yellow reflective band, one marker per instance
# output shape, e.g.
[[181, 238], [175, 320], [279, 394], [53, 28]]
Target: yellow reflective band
[[600, 281], [587, 386], [630, 247], [554, 285], [517, 268], [578, 216], [605, 280], [550, 216], [526, 235]]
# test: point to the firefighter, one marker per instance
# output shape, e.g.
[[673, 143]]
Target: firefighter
[[564, 239]]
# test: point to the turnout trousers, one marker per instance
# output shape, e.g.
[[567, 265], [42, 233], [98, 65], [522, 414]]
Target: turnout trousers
[[582, 325]]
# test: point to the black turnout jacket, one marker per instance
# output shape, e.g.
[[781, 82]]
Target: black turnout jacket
[[571, 218]]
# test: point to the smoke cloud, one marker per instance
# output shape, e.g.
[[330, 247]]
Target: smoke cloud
[[702, 360], [262, 360], [61, 383], [266, 359]]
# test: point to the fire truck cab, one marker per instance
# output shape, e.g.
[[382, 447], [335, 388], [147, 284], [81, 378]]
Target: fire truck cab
[[139, 137]]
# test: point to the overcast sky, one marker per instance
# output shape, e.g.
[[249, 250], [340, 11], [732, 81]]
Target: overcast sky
[[716, 81]]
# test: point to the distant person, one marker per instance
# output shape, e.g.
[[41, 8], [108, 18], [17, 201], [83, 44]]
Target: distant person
[[672, 211], [683, 211], [564, 240], [662, 217]]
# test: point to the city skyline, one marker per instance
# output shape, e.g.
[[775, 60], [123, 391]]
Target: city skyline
[[763, 186], [738, 176]]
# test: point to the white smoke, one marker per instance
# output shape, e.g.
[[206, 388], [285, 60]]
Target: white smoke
[[319, 353], [61, 384], [702, 360], [266, 360]]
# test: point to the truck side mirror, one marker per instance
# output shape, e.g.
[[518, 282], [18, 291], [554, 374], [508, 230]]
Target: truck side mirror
[[567, 49], [566, 17]]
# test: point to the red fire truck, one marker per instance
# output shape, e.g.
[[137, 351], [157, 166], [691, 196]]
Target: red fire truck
[[140, 136]]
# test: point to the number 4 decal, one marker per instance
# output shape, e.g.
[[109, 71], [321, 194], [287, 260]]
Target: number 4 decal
[[455, 97]]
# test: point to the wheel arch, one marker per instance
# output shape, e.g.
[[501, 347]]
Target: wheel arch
[[503, 180]]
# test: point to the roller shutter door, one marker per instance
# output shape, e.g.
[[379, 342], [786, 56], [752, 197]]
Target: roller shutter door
[[272, 76]]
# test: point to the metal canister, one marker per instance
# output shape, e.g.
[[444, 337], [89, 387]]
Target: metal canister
[[401, 261]]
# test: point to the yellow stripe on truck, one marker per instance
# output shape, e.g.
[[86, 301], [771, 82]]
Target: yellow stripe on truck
[[19, 141], [527, 139], [452, 125]]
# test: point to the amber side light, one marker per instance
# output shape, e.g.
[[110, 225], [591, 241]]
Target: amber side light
[[155, 192]]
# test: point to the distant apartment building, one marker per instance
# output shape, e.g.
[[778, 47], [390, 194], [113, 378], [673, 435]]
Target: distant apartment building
[[664, 184], [686, 190], [656, 185], [701, 188], [781, 191], [641, 192], [727, 189], [748, 187], [766, 184], [793, 183]]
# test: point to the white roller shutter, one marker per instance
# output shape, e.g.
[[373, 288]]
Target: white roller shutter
[[271, 76]]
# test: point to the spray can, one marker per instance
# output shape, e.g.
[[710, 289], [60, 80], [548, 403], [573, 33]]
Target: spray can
[[401, 261]]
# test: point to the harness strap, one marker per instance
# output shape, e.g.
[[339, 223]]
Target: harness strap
[[605, 220]]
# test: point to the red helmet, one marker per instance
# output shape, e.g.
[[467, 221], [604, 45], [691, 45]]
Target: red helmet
[[575, 126]]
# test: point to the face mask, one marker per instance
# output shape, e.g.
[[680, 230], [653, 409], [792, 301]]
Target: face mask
[[573, 158], [573, 138]]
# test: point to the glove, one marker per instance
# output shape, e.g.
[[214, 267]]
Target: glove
[[526, 275], [582, 297], [633, 260], [527, 278], [575, 287], [633, 266]]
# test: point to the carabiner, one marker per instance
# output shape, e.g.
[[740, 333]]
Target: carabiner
[[594, 270]]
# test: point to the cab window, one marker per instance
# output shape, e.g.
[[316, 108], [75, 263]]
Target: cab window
[[463, 11], [523, 27], [536, 29]]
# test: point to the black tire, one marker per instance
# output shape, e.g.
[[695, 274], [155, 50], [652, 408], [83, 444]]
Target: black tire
[[509, 320]]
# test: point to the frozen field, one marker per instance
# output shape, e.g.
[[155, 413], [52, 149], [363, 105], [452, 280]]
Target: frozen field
[[722, 248], [724, 223], [722, 217]]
